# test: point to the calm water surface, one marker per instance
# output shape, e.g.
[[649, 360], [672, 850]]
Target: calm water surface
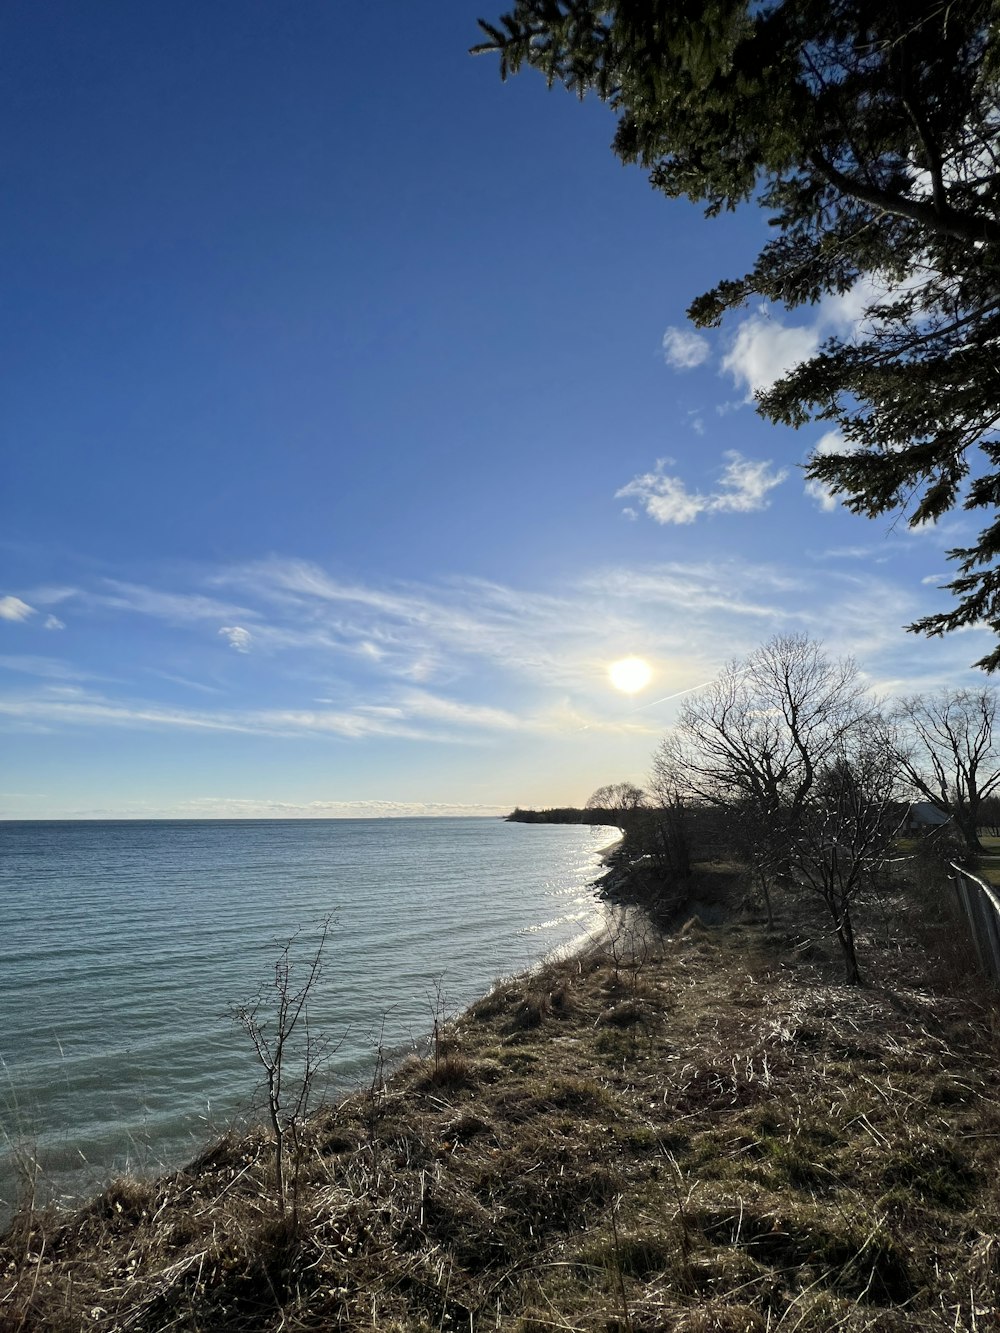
[[125, 945]]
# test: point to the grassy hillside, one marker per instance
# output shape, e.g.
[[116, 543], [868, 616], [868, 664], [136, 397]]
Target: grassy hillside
[[705, 1132]]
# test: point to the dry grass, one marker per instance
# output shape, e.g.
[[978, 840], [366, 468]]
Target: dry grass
[[709, 1134], [988, 867]]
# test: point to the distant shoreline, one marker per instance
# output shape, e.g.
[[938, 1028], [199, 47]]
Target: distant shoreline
[[232, 819]]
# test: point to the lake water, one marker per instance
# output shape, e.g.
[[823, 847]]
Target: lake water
[[125, 945]]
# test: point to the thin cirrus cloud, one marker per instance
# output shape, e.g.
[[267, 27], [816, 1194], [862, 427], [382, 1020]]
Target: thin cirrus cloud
[[45, 668], [473, 637], [412, 631], [175, 608], [450, 632], [548, 642], [419, 716], [744, 487], [501, 662], [563, 642], [54, 709], [559, 640]]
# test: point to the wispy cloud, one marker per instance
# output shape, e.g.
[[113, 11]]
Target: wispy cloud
[[173, 607], [90, 711], [726, 593], [684, 349], [93, 710], [45, 668], [849, 552], [53, 622], [470, 660], [743, 488], [406, 631], [417, 716], [51, 594], [419, 703], [12, 608], [745, 484], [188, 684], [475, 636]]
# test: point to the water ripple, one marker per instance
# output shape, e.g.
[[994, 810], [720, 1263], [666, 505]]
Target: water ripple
[[126, 944]]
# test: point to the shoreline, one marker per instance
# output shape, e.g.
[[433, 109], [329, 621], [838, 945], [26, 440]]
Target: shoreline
[[704, 1126], [148, 1156]]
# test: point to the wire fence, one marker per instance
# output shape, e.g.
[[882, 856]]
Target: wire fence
[[981, 906]]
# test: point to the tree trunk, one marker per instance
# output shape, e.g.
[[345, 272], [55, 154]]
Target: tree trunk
[[279, 1143], [845, 935], [966, 822], [766, 891]]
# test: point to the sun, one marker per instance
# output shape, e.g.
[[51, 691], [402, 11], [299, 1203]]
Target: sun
[[630, 674]]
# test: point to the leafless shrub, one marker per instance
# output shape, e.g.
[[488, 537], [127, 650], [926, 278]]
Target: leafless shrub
[[291, 1054]]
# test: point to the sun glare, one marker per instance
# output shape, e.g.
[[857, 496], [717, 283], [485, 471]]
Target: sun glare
[[630, 674]]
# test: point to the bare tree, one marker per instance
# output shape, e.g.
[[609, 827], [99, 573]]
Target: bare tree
[[277, 1023], [668, 786], [762, 730], [846, 830], [619, 801], [949, 754], [653, 840], [754, 742]]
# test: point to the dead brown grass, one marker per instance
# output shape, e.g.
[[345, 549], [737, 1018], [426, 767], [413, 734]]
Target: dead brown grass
[[712, 1135]]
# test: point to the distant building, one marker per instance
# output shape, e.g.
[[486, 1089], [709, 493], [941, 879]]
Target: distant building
[[921, 816]]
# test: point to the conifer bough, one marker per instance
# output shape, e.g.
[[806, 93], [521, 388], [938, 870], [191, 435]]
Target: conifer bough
[[870, 132]]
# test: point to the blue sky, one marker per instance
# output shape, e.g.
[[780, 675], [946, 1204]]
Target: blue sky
[[352, 428]]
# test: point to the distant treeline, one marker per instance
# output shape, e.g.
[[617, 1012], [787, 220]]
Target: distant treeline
[[564, 814]]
